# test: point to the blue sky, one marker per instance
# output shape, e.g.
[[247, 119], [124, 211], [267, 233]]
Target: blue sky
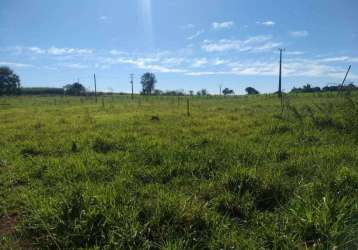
[[188, 44]]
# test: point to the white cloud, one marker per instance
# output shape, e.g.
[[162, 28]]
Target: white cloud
[[223, 25], [147, 63], [222, 45], [266, 47], [16, 65], [198, 33], [299, 33], [267, 23], [115, 52], [23, 49], [50, 51], [255, 68], [335, 59], [218, 62], [252, 44], [36, 50], [292, 67], [163, 69], [203, 73], [257, 39], [333, 66], [339, 59], [101, 66], [294, 53], [188, 26], [199, 62], [173, 60], [75, 66], [105, 19], [68, 51], [47, 67], [310, 68]]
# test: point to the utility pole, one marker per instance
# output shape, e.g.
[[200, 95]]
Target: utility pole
[[344, 80], [187, 107], [280, 74], [220, 86], [95, 87], [280, 79], [132, 85]]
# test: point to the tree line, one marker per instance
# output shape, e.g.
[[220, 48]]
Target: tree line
[[309, 89], [10, 85]]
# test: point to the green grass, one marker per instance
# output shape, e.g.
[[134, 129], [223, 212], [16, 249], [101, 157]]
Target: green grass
[[141, 174]]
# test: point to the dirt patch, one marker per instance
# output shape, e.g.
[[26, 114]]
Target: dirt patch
[[7, 224]]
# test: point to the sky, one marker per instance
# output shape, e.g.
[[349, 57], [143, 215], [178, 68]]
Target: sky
[[188, 44]]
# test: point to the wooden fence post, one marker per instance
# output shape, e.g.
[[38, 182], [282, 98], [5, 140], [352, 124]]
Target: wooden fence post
[[187, 107]]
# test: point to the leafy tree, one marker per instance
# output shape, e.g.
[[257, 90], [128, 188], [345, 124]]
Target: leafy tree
[[9, 82], [158, 92], [148, 81], [251, 91], [174, 93], [350, 86], [202, 92], [75, 89], [330, 88], [308, 89], [191, 92], [228, 91]]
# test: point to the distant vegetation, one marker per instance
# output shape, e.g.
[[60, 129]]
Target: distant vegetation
[[42, 91], [202, 92], [252, 91], [10, 85], [228, 91], [309, 89], [76, 89], [169, 92]]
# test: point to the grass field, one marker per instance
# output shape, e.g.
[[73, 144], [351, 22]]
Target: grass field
[[141, 174]]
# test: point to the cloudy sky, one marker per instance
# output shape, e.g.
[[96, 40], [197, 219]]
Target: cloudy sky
[[189, 44]]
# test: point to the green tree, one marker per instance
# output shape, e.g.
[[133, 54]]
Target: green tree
[[158, 92], [75, 89], [9, 82], [251, 91], [202, 92], [148, 81], [228, 91]]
